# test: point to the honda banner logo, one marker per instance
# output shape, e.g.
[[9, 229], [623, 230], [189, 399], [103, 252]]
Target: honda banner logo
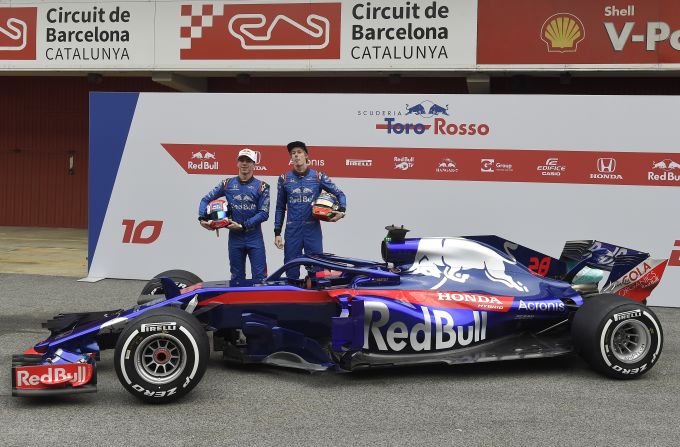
[[606, 165]]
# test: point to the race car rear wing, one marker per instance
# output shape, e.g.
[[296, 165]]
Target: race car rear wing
[[632, 273]]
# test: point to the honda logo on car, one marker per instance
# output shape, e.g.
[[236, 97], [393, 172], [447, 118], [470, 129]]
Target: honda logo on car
[[482, 301], [436, 331], [34, 377]]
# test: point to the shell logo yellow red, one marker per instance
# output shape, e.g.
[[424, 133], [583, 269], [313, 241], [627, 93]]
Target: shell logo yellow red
[[562, 32], [616, 32]]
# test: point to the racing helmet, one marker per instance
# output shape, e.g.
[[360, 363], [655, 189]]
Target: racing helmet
[[217, 211], [325, 206]]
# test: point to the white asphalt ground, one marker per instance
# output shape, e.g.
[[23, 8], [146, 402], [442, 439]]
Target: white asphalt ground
[[540, 402]]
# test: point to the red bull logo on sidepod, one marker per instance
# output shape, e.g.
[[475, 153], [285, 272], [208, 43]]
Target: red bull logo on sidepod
[[438, 121], [438, 330]]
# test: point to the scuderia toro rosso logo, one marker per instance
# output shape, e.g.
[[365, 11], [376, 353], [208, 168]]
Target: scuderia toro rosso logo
[[427, 116]]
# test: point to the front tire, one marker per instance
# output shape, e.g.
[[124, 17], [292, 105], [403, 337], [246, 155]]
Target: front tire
[[617, 336], [153, 287], [162, 355]]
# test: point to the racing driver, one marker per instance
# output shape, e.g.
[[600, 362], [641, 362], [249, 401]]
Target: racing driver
[[248, 207], [296, 191]]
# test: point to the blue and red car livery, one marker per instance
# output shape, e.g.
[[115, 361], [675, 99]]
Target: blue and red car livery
[[432, 300]]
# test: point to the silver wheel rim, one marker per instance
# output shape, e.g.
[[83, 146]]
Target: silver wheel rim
[[630, 341], [160, 359]]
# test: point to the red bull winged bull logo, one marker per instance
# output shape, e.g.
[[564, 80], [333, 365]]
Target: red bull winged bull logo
[[404, 124], [427, 109], [664, 170], [446, 165], [203, 159], [456, 259]]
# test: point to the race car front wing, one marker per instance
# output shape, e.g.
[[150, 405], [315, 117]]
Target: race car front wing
[[62, 373]]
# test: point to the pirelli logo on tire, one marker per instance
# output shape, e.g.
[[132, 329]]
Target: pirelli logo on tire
[[626, 315], [158, 327]]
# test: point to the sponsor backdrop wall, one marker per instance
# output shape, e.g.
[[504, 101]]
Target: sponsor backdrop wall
[[538, 170], [341, 35]]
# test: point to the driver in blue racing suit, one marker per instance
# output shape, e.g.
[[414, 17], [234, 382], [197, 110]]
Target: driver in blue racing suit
[[296, 191], [248, 200]]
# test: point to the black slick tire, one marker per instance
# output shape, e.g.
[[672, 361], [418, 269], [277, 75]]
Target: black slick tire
[[162, 355], [618, 337], [154, 287]]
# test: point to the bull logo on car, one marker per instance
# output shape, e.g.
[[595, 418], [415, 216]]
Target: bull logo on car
[[450, 259]]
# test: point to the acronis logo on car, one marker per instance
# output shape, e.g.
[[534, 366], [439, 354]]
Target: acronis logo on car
[[434, 114]]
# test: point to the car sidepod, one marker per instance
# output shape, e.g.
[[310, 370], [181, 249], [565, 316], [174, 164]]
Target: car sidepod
[[401, 327]]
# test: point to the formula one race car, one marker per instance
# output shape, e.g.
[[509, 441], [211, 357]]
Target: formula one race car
[[432, 300]]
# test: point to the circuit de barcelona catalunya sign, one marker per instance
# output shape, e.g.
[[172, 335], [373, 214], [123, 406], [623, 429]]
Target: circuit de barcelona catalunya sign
[[238, 35], [537, 169], [340, 35]]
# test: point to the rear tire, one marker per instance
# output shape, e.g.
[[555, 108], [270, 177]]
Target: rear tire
[[618, 337], [182, 278], [162, 355]]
